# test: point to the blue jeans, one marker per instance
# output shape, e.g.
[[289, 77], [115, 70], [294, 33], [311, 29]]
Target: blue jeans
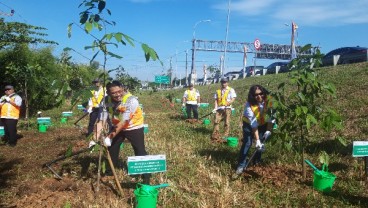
[[247, 143]]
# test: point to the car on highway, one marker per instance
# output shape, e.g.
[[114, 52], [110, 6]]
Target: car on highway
[[271, 69], [249, 70], [348, 55], [232, 75]]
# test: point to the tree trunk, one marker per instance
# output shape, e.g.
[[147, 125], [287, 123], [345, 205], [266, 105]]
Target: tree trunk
[[26, 102], [303, 163]]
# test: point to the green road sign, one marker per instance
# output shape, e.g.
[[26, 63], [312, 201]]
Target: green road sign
[[360, 148], [162, 79], [146, 164]]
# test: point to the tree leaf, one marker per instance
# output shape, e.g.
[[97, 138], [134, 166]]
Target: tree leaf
[[118, 37], [114, 55], [83, 18], [88, 27], [70, 30], [69, 151], [101, 5]]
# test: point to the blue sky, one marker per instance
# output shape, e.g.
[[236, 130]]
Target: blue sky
[[167, 26]]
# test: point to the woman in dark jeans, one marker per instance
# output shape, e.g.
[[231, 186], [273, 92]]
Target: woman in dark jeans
[[257, 125]]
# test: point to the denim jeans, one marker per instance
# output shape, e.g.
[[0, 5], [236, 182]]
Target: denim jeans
[[247, 143]]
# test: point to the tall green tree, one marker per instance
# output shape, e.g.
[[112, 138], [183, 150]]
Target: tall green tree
[[12, 33]]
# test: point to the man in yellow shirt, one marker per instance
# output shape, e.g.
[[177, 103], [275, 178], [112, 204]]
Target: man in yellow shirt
[[10, 105], [224, 97]]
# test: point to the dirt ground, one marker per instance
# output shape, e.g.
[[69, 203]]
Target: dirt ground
[[26, 182]]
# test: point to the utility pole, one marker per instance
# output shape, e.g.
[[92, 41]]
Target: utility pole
[[186, 67]]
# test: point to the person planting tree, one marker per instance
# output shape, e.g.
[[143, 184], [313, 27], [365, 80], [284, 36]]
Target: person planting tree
[[191, 100], [125, 117], [257, 125], [224, 97], [10, 105]]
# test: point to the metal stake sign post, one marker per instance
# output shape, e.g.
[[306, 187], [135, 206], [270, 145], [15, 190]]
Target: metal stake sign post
[[360, 149]]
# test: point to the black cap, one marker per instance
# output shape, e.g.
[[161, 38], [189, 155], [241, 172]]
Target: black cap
[[9, 87], [96, 80], [224, 79]]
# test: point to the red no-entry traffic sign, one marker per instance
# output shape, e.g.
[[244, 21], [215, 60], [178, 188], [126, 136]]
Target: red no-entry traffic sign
[[257, 44]]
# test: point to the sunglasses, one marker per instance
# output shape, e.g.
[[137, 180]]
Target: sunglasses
[[255, 95], [7, 89]]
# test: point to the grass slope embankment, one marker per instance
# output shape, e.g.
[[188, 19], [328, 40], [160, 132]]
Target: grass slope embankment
[[198, 171]]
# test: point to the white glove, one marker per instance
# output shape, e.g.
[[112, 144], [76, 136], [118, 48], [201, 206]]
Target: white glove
[[266, 135], [259, 145], [214, 110], [198, 104], [183, 104], [91, 144], [89, 110], [107, 142], [7, 98]]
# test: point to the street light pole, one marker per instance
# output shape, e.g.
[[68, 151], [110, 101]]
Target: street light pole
[[193, 71], [227, 32]]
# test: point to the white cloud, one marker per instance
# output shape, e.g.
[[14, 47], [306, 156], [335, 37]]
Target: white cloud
[[306, 12]]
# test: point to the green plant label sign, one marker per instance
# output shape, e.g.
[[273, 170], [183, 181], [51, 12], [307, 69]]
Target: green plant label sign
[[360, 148], [146, 164]]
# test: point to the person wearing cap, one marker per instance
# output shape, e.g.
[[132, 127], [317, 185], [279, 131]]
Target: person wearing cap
[[224, 97], [10, 105], [191, 100], [125, 118], [94, 103]]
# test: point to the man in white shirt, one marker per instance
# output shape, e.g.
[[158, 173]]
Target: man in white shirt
[[224, 97], [191, 100]]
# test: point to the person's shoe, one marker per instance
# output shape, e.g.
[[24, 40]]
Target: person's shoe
[[239, 170], [11, 144]]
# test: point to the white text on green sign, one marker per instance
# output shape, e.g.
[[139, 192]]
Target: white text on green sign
[[146, 164], [360, 148]]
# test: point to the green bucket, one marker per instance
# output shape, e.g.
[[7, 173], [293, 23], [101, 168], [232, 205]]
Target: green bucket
[[178, 100], [323, 180], [145, 128], [232, 111], [232, 141], [184, 111], [2, 131], [206, 122], [63, 120], [42, 128], [146, 197]]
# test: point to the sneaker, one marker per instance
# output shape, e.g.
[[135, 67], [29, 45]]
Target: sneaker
[[239, 170]]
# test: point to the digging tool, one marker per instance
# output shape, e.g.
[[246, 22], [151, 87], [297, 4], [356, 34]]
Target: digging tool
[[48, 164], [76, 123], [219, 108]]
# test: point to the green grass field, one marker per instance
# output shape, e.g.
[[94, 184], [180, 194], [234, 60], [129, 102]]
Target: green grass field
[[199, 171]]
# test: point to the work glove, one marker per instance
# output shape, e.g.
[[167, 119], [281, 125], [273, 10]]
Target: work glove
[[198, 104], [89, 110], [7, 98], [259, 145], [266, 135], [107, 142], [214, 110], [91, 144], [183, 104]]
